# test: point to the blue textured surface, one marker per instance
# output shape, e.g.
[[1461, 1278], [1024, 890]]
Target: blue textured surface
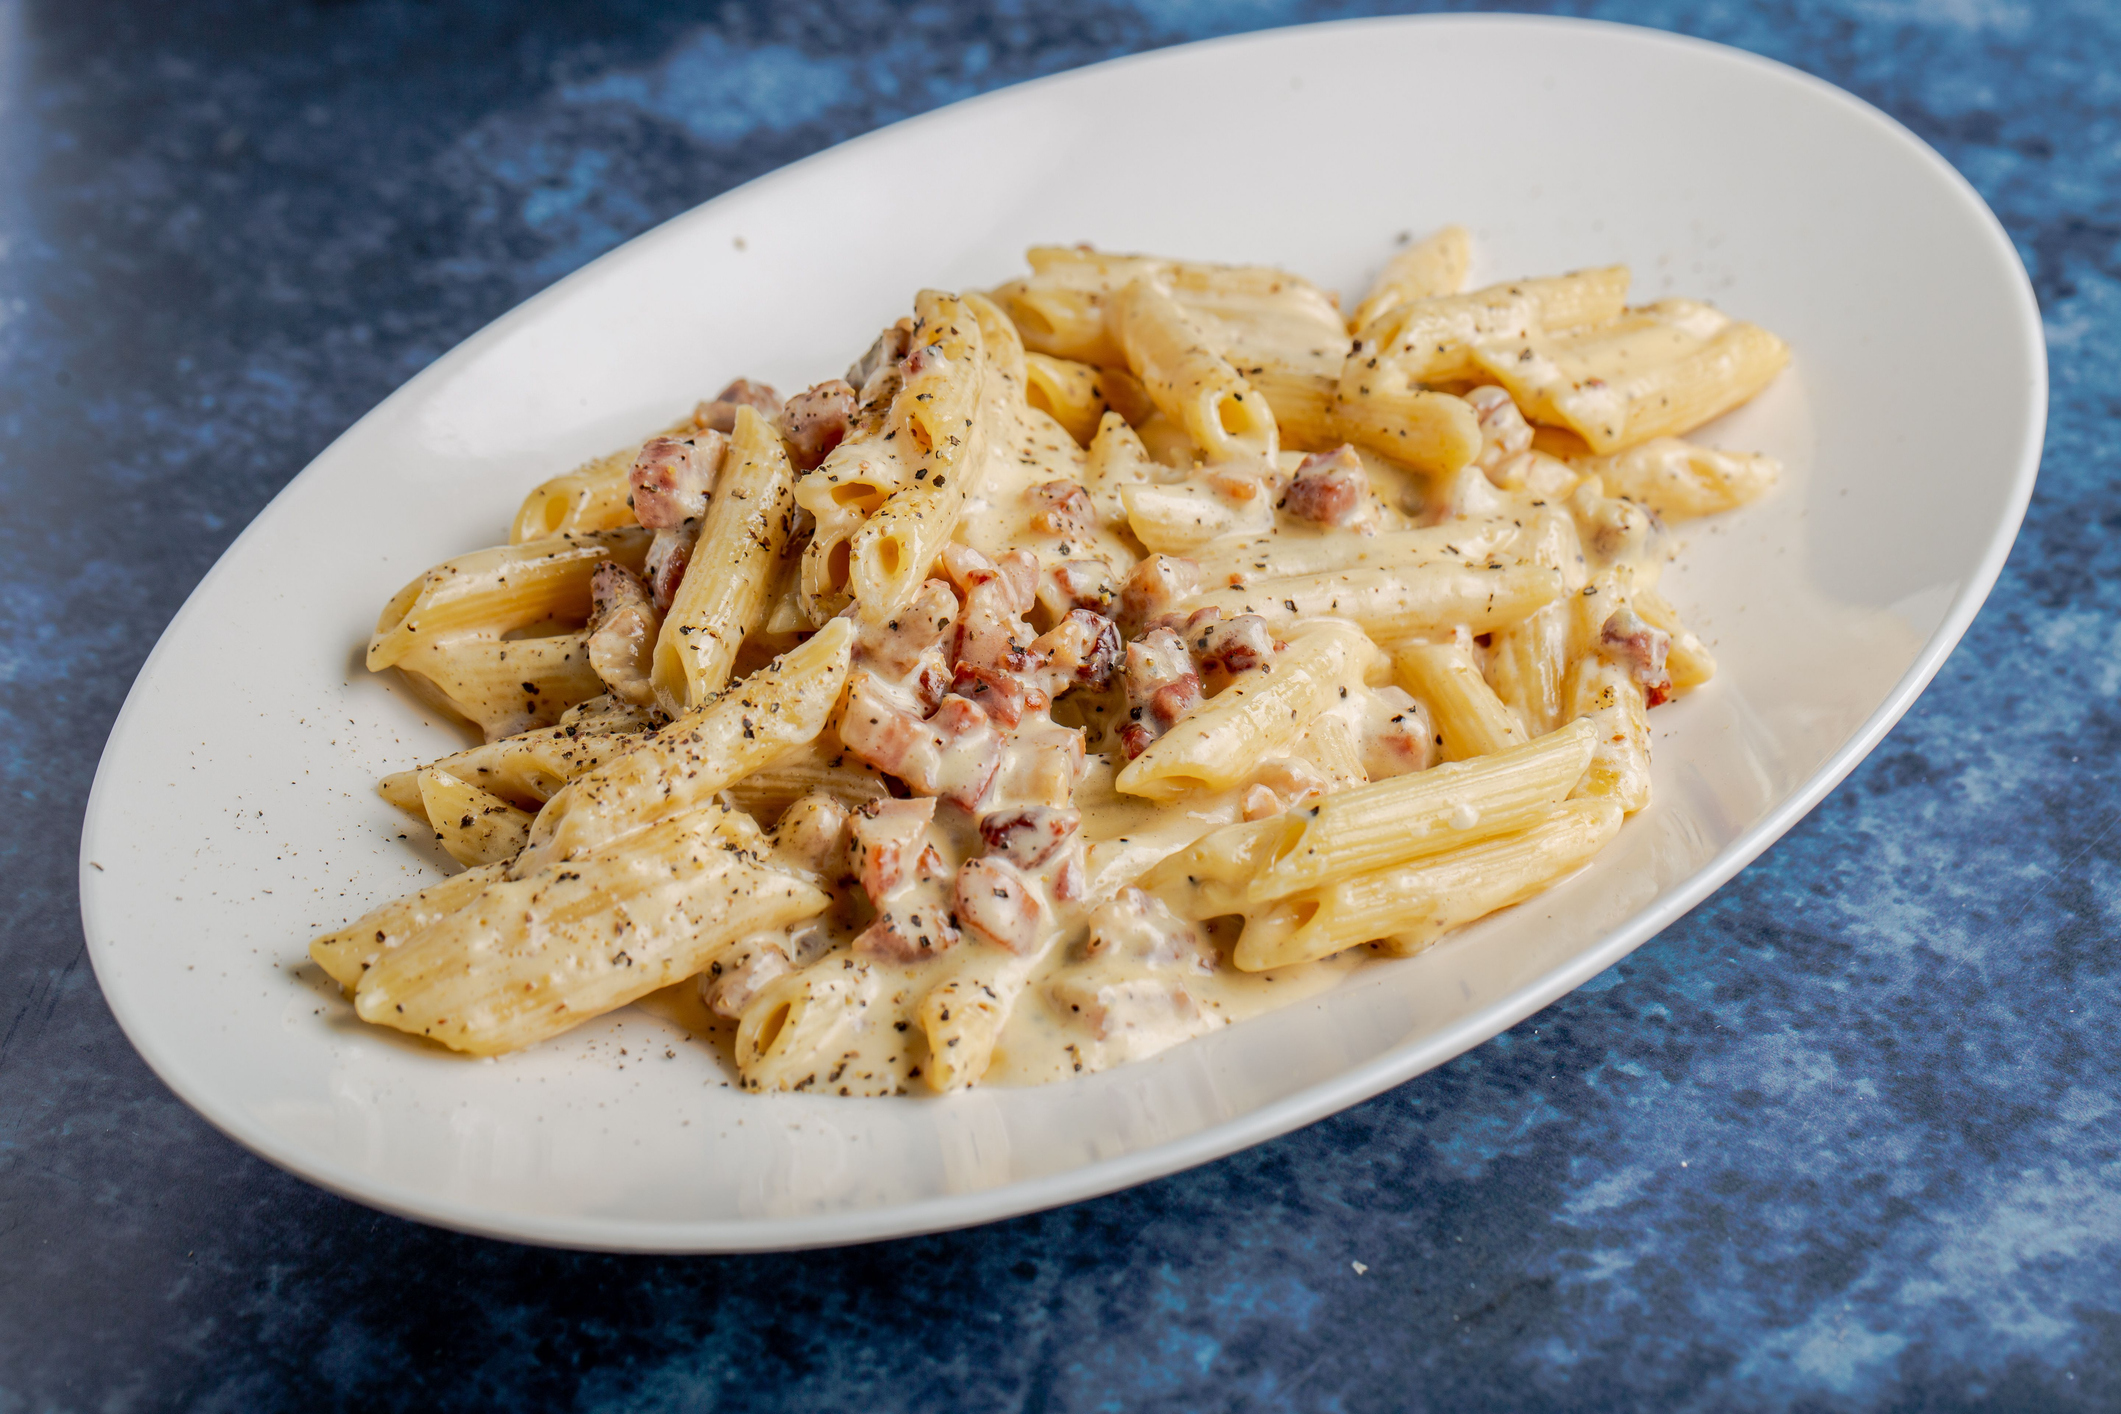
[[1845, 1137]]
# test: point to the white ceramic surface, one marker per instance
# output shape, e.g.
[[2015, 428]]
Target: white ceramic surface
[[234, 813]]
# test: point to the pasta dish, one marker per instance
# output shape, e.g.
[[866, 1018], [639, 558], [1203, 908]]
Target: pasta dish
[[1106, 658]]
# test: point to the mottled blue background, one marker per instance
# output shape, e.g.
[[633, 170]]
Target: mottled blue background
[[1843, 1138]]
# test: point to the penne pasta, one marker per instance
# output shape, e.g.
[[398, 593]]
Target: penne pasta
[[1471, 720], [1066, 391], [472, 826], [1680, 480], [1396, 603], [723, 596], [679, 769], [1430, 268], [531, 956], [892, 552], [1653, 372], [1408, 907], [349, 952], [1188, 380], [1259, 713]]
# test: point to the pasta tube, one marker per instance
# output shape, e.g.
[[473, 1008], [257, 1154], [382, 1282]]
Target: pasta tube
[[504, 686], [1259, 714], [890, 555], [526, 769], [1354, 831], [1432, 340], [1429, 431], [1067, 391], [532, 956], [346, 954], [1396, 603], [1431, 267], [1680, 480], [1188, 380], [1470, 719], [1526, 661], [766, 793], [723, 595], [1412, 905], [473, 826], [1663, 369], [497, 591], [782, 706], [1241, 559]]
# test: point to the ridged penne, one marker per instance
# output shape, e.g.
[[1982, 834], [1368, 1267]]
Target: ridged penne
[[531, 956], [1066, 391], [1189, 381], [680, 768], [350, 951], [1470, 719], [1392, 604], [724, 593], [1429, 268], [1666, 368], [1259, 713], [1409, 906], [891, 554]]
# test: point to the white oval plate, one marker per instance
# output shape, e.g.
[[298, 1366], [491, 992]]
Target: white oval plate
[[234, 814]]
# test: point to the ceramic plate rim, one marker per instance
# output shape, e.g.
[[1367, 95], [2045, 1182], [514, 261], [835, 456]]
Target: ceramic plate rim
[[1349, 1087]]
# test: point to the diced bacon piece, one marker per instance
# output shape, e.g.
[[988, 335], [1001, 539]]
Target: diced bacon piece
[[1162, 687], [1397, 735], [669, 556], [954, 753], [1634, 643], [912, 934], [1174, 700], [1029, 835], [1154, 588], [1330, 488], [1041, 764], [815, 421], [890, 844], [1233, 645], [1004, 696], [1082, 650], [995, 900], [889, 348], [992, 663], [673, 479], [1139, 927], [1071, 880], [916, 636], [1083, 584], [720, 414], [1154, 662], [969, 752], [1017, 569], [1062, 508], [622, 629]]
